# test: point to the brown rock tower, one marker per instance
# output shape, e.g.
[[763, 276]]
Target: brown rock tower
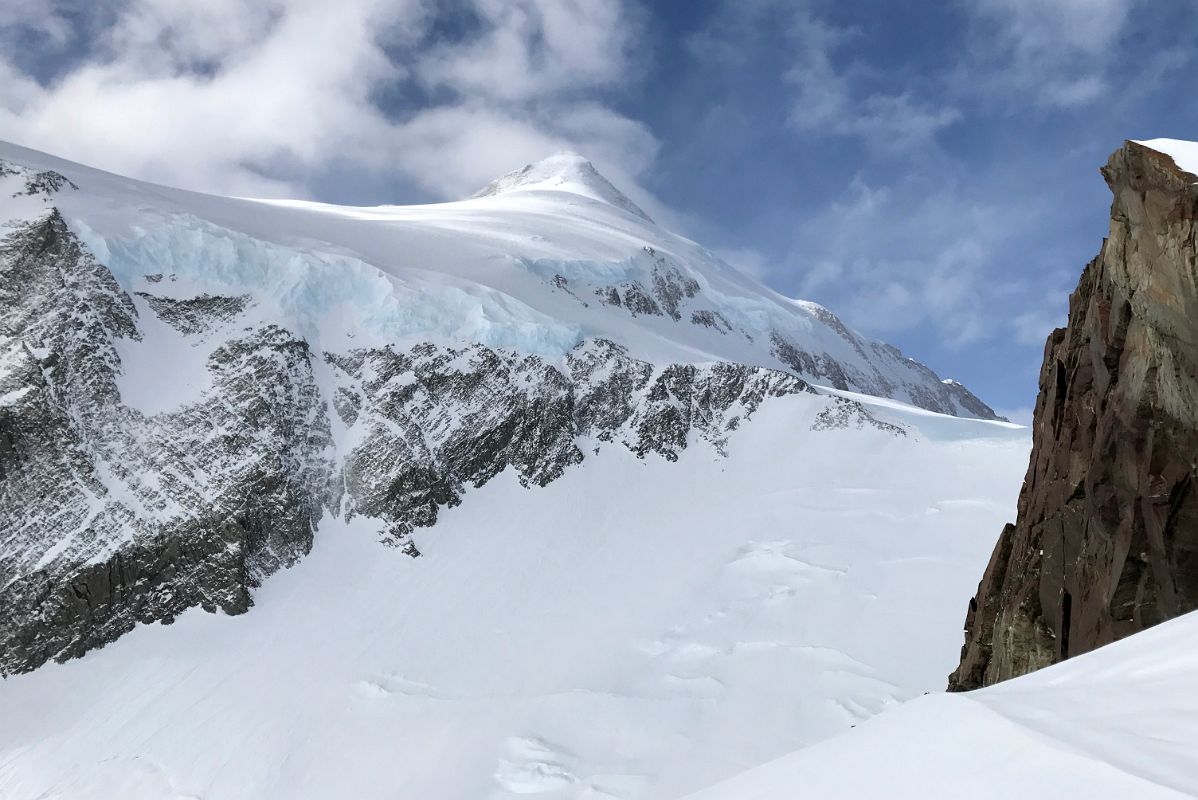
[[1106, 539]]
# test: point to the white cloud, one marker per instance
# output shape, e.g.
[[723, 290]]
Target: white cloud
[[454, 150], [1035, 27], [18, 92], [830, 98], [530, 47], [1033, 327], [296, 85], [898, 259], [821, 274], [254, 96], [47, 19], [1056, 52], [154, 34]]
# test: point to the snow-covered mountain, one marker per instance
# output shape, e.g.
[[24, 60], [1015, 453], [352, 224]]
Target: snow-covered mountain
[[191, 382], [540, 261], [565, 172], [673, 525]]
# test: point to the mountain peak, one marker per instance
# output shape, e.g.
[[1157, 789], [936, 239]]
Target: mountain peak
[[562, 172]]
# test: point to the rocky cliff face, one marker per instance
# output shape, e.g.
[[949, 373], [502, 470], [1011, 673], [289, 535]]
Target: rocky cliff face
[[1106, 539], [108, 516]]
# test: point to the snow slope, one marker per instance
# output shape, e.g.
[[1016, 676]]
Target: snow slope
[[1119, 722], [539, 261], [635, 629]]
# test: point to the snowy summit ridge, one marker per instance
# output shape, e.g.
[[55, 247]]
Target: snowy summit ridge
[[563, 172]]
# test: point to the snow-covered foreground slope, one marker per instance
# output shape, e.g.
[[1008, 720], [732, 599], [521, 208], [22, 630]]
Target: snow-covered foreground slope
[[1120, 722], [634, 629]]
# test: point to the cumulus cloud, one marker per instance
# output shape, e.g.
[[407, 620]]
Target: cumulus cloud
[[926, 245], [255, 96], [454, 149], [47, 21], [529, 48], [1032, 327], [831, 87]]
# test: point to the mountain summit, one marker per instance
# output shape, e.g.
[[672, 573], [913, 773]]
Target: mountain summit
[[564, 172]]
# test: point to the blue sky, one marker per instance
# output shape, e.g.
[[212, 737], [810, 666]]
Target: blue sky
[[927, 170]]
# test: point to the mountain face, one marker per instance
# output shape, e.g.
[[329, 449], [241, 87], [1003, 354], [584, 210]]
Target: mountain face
[[1106, 540], [190, 384]]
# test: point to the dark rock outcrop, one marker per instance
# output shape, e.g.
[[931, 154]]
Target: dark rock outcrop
[[45, 183], [655, 284], [670, 289], [110, 517], [195, 314], [1106, 540], [432, 421]]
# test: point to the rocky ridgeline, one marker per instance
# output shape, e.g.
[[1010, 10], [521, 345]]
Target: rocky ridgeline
[[670, 293], [110, 516], [927, 392], [34, 183], [434, 420], [1106, 539]]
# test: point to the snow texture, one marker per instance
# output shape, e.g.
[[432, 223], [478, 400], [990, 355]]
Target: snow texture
[[564, 172]]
